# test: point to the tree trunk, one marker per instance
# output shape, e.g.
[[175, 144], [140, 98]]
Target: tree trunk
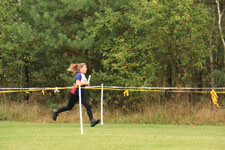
[[27, 81], [211, 54], [220, 14]]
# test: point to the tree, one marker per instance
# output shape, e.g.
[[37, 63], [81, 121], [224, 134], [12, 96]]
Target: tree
[[153, 36], [220, 14], [50, 37], [7, 43], [126, 43], [145, 43]]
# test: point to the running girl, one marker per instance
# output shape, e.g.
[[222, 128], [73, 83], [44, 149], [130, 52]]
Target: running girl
[[80, 71]]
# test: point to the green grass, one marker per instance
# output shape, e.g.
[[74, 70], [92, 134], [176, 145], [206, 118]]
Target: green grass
[[54, 136]]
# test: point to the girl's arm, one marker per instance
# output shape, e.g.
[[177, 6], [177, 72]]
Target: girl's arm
[[82, 83]]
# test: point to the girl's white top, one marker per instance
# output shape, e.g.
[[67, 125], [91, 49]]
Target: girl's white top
[[83, 78]]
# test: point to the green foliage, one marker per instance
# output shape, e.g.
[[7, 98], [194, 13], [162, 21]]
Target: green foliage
[[138, 42], [51, 35], [123, 42], [7, 42], [145, 42], [219, 77]]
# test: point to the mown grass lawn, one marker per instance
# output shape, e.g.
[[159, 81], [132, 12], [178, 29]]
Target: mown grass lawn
[[54, 136]]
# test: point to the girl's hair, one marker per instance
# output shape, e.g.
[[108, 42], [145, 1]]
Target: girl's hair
[[76, 67]]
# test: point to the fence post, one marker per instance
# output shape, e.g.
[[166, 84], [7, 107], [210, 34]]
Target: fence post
[[81, 118], [102, 105]]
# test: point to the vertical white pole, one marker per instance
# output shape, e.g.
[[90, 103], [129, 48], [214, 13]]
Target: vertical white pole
[[89, 78], [102, 105], [81, 119], [20, 2]]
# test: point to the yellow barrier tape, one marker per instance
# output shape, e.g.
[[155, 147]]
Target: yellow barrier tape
[[214, 98], [136, 90], [125, 93], [112, 89], [33, 90]]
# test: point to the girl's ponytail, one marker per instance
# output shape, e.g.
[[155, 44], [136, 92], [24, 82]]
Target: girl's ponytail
[[73, 68]]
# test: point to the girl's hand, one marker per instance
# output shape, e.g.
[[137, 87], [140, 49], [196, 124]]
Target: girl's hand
[[82, 83]]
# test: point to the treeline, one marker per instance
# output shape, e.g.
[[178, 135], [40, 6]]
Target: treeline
[[124, 43]]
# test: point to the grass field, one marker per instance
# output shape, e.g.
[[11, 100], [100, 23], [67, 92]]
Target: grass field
[[54, 136]]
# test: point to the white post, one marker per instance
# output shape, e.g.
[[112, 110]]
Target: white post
[[81, 119], [102, 105], [89, 78], [20, 2]]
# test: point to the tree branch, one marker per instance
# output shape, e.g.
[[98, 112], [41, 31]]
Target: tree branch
[[222, 12], [220, 27]]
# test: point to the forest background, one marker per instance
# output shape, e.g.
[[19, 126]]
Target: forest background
[[139, 43]]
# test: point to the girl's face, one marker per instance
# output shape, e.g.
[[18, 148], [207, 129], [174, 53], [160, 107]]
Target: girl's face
[[83, 69]]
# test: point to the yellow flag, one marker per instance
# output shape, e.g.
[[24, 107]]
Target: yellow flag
[[214, 98], [126, 93], [43, 92]]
